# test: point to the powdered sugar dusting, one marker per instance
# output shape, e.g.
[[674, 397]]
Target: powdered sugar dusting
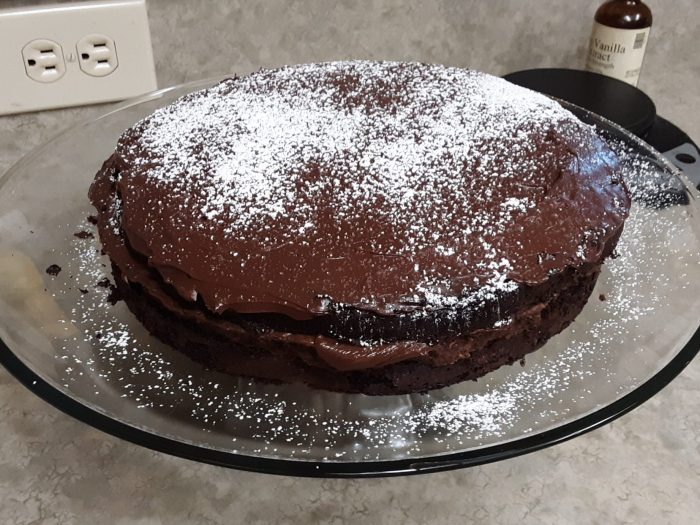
[[410, 147], [261, 132], [613, 347]]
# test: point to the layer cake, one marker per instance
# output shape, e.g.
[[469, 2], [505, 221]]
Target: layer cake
[[370, 227]]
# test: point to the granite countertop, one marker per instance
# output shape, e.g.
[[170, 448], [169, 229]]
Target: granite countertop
[[642, 468]]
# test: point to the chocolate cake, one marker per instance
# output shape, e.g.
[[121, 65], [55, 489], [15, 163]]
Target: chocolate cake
[[367, 227]]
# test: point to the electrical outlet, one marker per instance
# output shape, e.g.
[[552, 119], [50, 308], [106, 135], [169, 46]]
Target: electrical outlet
[[97, 55], [74, 53], [43, 60]]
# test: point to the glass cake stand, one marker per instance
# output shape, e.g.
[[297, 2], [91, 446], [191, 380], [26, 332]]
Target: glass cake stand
[[64, 340]]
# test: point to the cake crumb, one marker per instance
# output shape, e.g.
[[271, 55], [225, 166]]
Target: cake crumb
[[53, 270], [114, 296]]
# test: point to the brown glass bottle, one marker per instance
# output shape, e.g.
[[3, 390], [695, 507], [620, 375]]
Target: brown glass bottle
[[619, 39]]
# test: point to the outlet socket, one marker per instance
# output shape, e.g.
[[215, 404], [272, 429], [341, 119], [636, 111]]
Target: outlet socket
[[97, 55], [113, 34], [43, 60]]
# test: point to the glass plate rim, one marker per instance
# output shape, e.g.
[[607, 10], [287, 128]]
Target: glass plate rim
[[308, 468]]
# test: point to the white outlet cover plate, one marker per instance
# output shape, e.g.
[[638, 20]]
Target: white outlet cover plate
[[124, 21]]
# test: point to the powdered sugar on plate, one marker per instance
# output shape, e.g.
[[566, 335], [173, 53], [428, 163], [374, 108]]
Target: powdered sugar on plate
[[114, 368], [602, 354]]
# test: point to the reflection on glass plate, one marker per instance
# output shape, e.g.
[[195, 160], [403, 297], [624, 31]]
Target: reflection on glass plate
[[67, 341]]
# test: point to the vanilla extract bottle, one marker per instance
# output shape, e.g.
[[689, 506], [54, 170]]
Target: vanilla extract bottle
[[619, 39]]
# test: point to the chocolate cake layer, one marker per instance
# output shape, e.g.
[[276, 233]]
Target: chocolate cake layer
[[358, 217], [290, 361]]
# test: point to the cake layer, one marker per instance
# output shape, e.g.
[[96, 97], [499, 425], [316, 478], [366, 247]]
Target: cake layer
[[289, 360], [380, 187], [359, 226], [409, 336]]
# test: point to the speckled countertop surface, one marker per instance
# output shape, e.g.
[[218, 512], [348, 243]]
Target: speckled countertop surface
[[642, 468]]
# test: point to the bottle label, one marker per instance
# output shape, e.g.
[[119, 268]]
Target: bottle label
[[617, 53]]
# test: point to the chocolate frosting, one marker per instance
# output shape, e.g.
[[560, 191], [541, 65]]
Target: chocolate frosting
[[323, 197]]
